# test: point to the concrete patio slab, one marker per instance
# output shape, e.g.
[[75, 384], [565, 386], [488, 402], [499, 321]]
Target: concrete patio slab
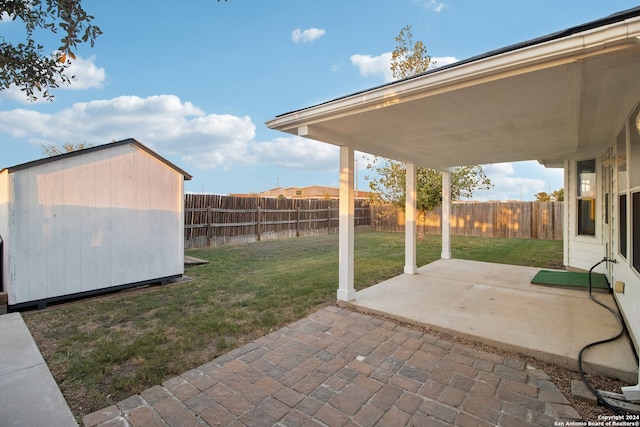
[[497, 304], [29, 394]]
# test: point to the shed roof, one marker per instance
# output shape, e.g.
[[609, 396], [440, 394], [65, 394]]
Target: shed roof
[[131, 141], [541, 99]]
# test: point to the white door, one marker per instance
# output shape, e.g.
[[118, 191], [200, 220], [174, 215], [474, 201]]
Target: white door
[[609, 226]]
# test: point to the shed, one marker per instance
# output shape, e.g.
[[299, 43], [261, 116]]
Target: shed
[[90, 221]]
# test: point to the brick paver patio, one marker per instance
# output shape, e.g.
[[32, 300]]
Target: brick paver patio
[[337, 367]]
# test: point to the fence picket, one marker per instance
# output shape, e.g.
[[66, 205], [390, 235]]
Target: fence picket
[[212, 220], [525, 220], [216, 220]]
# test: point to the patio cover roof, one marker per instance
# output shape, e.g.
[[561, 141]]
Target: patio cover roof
[[537, 100]]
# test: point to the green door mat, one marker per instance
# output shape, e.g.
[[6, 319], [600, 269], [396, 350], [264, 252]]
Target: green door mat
[[571, 280]]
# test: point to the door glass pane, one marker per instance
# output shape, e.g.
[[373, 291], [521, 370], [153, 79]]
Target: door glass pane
[[623, 225], [635, 149], [586, 217], [621, 160], [635, 250]]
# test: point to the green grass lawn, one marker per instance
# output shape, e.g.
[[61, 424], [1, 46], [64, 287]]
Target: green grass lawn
[[104, 349]]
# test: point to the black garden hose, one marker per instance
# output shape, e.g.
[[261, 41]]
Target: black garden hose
[[601, 400]]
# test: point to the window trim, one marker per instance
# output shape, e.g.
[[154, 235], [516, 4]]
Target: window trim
[[622, 225]]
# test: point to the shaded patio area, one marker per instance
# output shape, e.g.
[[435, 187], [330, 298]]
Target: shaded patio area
[[497, 305]]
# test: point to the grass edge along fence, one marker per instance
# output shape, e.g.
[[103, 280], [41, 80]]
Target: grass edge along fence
[[525, 220], [213, 220]]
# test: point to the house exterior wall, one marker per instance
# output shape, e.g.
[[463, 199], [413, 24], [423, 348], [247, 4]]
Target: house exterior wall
[[615, 165], [625, 160], [106, 218]]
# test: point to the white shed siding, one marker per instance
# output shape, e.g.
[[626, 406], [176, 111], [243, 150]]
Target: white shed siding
[[4, 222], [104, 218]]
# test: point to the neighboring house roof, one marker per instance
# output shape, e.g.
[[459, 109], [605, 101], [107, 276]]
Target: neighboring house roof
[[536, 100], [309, 192], [98, 148]]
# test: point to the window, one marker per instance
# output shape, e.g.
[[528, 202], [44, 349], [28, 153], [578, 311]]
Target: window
[[623, 225], [634, 148], [635, 251], [586, 178], [621, 156]]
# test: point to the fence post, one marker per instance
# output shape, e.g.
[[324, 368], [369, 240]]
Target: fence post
[[209, 226], [552, 215], [329, 218], [298, 221], [258, 224]]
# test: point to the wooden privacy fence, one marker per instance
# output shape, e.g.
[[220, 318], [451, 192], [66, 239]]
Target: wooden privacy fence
[[526, 220], [212, 220]]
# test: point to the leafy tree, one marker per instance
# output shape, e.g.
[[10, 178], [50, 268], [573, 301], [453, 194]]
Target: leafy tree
[[543, 196], [24, 63], [558, 195], [51, 150], [410, 58], [390, 183]]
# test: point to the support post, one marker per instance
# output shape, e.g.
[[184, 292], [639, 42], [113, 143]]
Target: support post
[[410, 227], [346, 290], [446, 215]]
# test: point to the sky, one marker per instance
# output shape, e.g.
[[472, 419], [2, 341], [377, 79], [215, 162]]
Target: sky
[[196, 81]]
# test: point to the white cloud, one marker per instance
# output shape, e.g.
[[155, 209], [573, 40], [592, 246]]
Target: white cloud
[[296, 153], [500, 169], [381, 64], [509, 184], [85, 73], [306, 36], [374, 65], [434, 5], [441, 61], [173, 128]]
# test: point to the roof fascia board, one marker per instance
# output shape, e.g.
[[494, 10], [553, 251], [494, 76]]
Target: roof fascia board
[[152, 153], [530, 58], [131, 141]]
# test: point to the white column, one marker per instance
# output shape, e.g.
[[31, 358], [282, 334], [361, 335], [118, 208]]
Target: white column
[[446, 215], [410, 263], [346, 291]]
